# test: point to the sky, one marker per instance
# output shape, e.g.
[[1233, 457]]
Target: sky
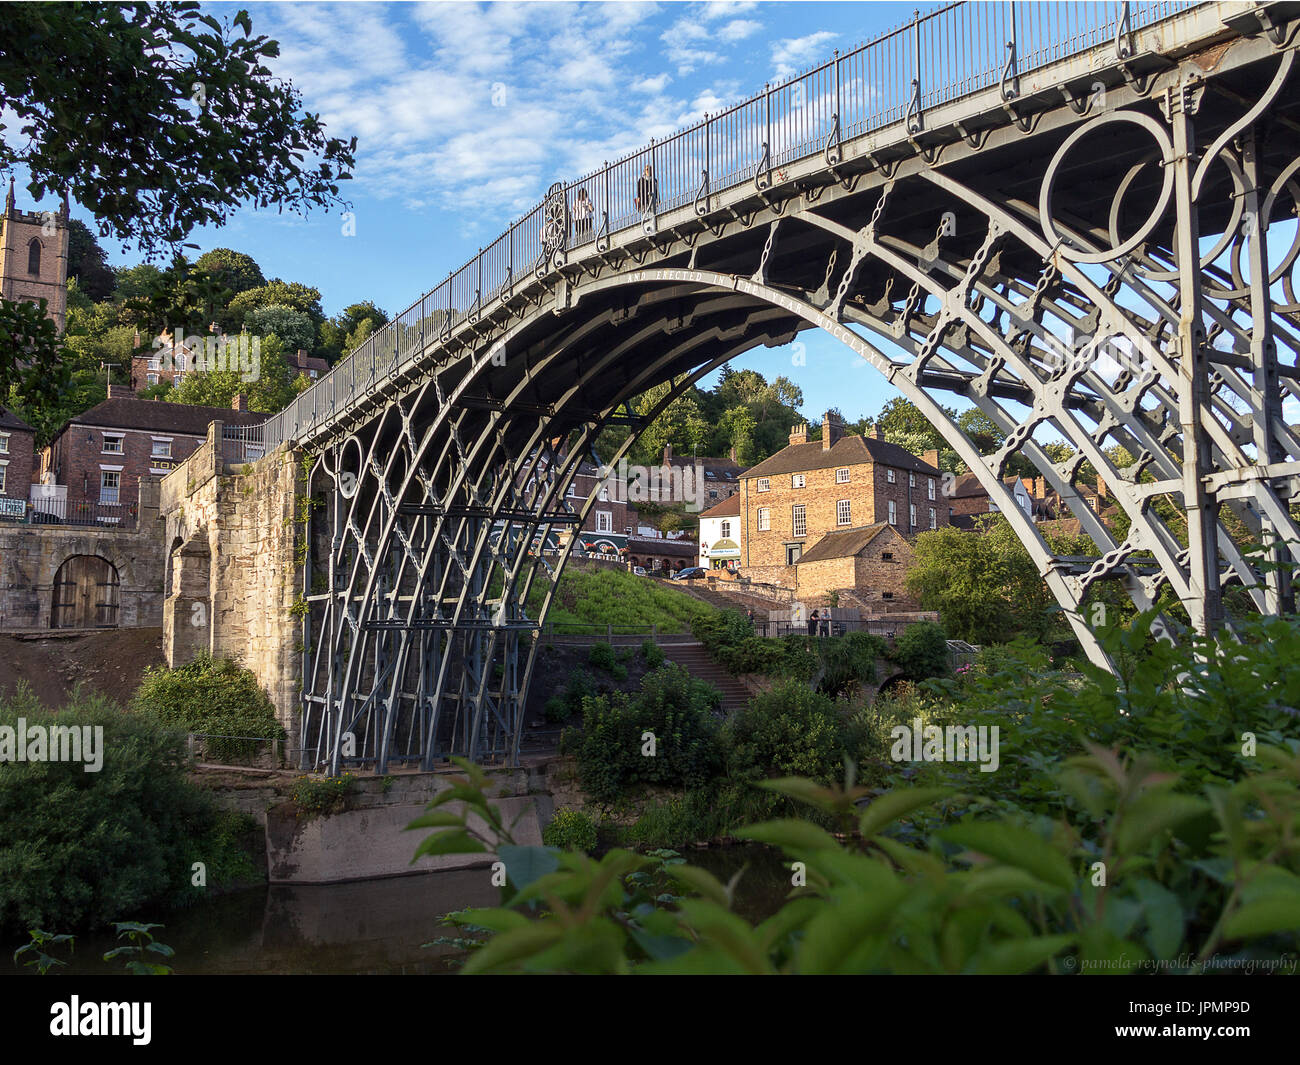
[[465, 113]]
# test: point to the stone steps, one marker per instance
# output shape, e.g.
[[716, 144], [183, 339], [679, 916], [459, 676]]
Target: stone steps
[[693, 658]]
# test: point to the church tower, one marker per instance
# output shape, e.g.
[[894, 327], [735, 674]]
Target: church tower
[[34, 256]]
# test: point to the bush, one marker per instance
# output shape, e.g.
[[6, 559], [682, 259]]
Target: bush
[[753, 654], [571, 830], [318, 796], [80, 849], [619, 672], [849, 661], [676, 708], [787, 731], [581, 685], [217, 697], [601, 656], [799, 659], [724, 628], [557, 710], [653, 653], [921, 651]]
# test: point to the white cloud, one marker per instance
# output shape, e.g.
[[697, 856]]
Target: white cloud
[[738, 30], [654, 85], [795, 53]]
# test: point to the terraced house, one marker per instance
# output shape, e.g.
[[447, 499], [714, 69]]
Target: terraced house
[[811, 489]]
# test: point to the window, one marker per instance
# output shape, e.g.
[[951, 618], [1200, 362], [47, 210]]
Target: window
[[764, 519], [911, 480], [4, 443], [889, 476], [799, 520], [893, 510], [886, 595], [2, 479], [113, 444], [162, 449], [152, 378], [573, 489], [604, 493], [934, 519], [842, 513], [798, 480], [34, 257], [726, 529], [911, 514], [886, 556], [764, 484], [604, 521], [110, 483], [931, 487]]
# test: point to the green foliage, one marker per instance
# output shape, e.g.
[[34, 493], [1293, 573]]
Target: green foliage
[[921, 650], [753, 654], [601, 656], [32, 373], [619, 673], [216, 697], [848, 662], [677, 709], [571, 830], [39, 960], [786, 731], [652, 653], [195, 126], [78, 848], [316, 796], [139, 948], [272, 390], [235, 270], [721, 628], [294, 328], [1005, 895], [87, 263]]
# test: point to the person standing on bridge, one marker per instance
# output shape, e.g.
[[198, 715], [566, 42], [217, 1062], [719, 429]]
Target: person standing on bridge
[[812, 623], [647, 191], [583, 209]]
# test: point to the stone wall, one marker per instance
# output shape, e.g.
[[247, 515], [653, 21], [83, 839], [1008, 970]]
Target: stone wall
[[30, 557], [232, 571]]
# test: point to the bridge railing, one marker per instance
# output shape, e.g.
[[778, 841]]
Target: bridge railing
[[951, 52]]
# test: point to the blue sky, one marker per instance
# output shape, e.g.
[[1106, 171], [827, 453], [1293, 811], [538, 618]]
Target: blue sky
[[442, 170]]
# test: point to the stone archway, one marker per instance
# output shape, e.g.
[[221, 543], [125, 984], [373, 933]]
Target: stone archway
[[187, 610]]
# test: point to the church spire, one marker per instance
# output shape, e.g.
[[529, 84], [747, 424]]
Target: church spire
[[9, 200]]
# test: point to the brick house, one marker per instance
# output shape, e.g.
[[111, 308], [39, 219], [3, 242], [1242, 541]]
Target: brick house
[[608, 524], [809, 489], [721, 475], [102, 453], [302, 363], [872, 560], [17, 462]]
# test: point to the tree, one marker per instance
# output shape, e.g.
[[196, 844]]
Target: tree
[[159, 118], [901, 422], [347, 331], [32, 370], [270, 391], [235, 270], [87, 262], [295, 328], [275, 293]]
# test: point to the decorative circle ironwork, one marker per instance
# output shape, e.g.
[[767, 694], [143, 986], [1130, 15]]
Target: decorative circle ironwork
[[1069, 247]]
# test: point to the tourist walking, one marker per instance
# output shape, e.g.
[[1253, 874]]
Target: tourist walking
[[583, 209], [647, 191]]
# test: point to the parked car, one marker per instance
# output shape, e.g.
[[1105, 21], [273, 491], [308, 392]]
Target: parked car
[[639, 571], [689, 574]]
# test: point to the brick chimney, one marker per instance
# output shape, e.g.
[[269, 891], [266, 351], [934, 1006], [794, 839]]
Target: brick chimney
[[733, 453], [239, 402], [874, 433], [302, 357], [668, 454], [931, 457], [121, 392], [1101, 488], [799, 434], [832, 430], [1040, 487]]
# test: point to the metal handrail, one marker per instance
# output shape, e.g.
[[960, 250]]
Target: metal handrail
[[951, 52]]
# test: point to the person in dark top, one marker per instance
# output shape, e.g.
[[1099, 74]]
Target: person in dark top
[[647, 191], [812, 623]]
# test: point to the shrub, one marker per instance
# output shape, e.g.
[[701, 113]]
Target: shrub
[[80, 849], [217, 697], [601, 656], [676, 708], [619, 672], [921, 651], [557, 709], [753, 654], [317, 796], [653, 653], [571, 830], [722, 628], [787, 731], [849, 661], [581, 684], [799, 659]]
